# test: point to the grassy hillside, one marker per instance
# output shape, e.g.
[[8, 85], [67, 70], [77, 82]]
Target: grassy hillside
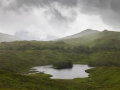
[[101, 49], [104, 38], [84, 40], [106, 77], [32, 45], [83, 33], [17, 61], [104, 58], [18, 56]]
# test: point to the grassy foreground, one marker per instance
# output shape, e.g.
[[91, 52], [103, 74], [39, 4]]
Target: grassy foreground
[[11, 81], [13, 62], [102, 78], [107, 77]]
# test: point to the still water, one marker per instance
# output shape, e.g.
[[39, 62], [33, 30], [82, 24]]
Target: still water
[[77, 71]]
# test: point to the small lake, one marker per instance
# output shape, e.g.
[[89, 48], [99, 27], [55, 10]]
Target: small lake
[[77, 71]]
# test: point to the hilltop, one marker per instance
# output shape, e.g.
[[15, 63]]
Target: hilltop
[[83, 33], [104, 38]]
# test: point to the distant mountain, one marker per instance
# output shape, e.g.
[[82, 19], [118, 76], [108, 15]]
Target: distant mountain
[[83, 33], [8, 38], [27, 35]]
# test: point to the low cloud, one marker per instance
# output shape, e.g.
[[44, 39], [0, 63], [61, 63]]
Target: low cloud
[[108, 10], [55, 17], [21, 6]]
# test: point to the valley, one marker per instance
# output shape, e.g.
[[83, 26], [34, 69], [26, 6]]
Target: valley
[[96, 49]]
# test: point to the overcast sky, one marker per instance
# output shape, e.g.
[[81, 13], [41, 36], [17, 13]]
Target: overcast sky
[[50, 19]]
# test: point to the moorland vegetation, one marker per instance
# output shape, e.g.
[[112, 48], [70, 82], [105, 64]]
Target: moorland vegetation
[[100, 49]]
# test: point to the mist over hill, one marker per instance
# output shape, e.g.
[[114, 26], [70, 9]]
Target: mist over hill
[[26, 35], [8, 38], [29, 35]]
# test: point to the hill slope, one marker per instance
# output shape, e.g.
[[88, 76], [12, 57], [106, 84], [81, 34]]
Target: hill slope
[[104, 38], [83, 33], [8, 38]]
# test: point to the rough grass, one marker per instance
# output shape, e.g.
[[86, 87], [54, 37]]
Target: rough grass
[[102, 78], [17, 61], [104, 38], [107, 77], [38, 82]]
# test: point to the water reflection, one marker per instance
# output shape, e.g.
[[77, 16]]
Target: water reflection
[[77, 71]]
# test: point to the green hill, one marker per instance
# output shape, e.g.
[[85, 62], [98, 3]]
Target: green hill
[[83, 33], [104, 38]]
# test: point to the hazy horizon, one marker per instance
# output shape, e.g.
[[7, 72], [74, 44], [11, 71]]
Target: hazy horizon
[[52, 19]]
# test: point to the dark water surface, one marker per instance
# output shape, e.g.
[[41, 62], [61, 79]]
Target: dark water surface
[[77, 71]]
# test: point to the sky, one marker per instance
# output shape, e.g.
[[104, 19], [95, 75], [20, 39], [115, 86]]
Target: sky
[[52, 19]]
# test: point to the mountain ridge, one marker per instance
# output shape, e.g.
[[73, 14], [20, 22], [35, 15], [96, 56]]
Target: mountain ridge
[[82, 33], [104, 38]]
